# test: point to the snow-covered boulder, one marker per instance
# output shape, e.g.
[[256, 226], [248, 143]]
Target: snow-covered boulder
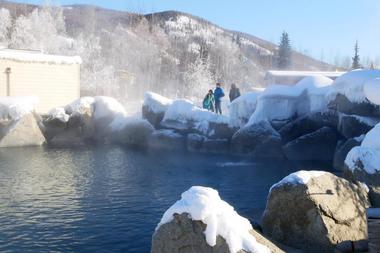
[[183, 116], [85, 120], [351, 126], [202, 222], [81, 106], [315, 211], [316, 146], [308, 124], [276, 103], [242, 108], [250, 137], [167, 139], [131, 131], [348, 93], [282, 103], [106, 110], [154, 108], [363, 162], [342, 149], [19, 126], [351, 84], [372, 91]]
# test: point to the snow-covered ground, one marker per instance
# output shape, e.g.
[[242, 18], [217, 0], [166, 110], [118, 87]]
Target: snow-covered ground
[[204, 204]]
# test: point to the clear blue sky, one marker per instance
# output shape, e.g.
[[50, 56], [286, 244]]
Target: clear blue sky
[[318, 27]]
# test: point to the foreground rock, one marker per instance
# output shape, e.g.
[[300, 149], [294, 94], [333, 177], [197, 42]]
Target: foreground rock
[[24, 131], [183, 235], [202, 222], [315, 211]]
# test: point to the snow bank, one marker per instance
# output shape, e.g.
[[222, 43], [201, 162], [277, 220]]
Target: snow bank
[[35, 56], [156, 103], [300, 177], [59, 113], [281, 102], [367, 156], [184, 110], [372, 139], [242, 108], [372, 90], [204, 204], [16, 107], [352, 84]]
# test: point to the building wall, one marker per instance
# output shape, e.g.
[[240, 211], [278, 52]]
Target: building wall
[[54, 84]]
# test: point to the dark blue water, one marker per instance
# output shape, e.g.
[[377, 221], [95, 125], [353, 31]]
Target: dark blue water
[[109, 199]]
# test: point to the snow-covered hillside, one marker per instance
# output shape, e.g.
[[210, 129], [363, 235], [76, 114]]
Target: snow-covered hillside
[[125, 54]]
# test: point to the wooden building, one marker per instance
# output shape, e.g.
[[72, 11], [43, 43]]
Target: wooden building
[[53, 79]]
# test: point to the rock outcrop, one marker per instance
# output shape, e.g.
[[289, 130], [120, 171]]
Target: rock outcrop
[[315, 211]]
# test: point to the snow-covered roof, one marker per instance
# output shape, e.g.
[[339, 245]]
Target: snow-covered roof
[[305, 73], [37, 56]]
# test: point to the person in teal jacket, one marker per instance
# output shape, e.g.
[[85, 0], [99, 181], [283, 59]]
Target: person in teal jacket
[[218, 94], [208, 101]]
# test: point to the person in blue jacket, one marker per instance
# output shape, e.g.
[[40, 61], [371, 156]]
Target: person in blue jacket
[[218, 94]]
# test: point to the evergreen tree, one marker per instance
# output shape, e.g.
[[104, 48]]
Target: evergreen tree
[[356, 58], [284, 52]]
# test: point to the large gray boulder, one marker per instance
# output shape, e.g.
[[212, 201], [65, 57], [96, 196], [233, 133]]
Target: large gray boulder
[[24, 131], [154, 108], [134, 132], [77, 130], [308, 124], [167, 140], [342, 150], [194, 142], [351, 126], [316, 146], [216, 146], [315, 211], [365, 108], [248, 138], [183, 235]]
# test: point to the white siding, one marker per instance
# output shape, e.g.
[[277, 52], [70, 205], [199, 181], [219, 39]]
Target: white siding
[[54, 84]]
